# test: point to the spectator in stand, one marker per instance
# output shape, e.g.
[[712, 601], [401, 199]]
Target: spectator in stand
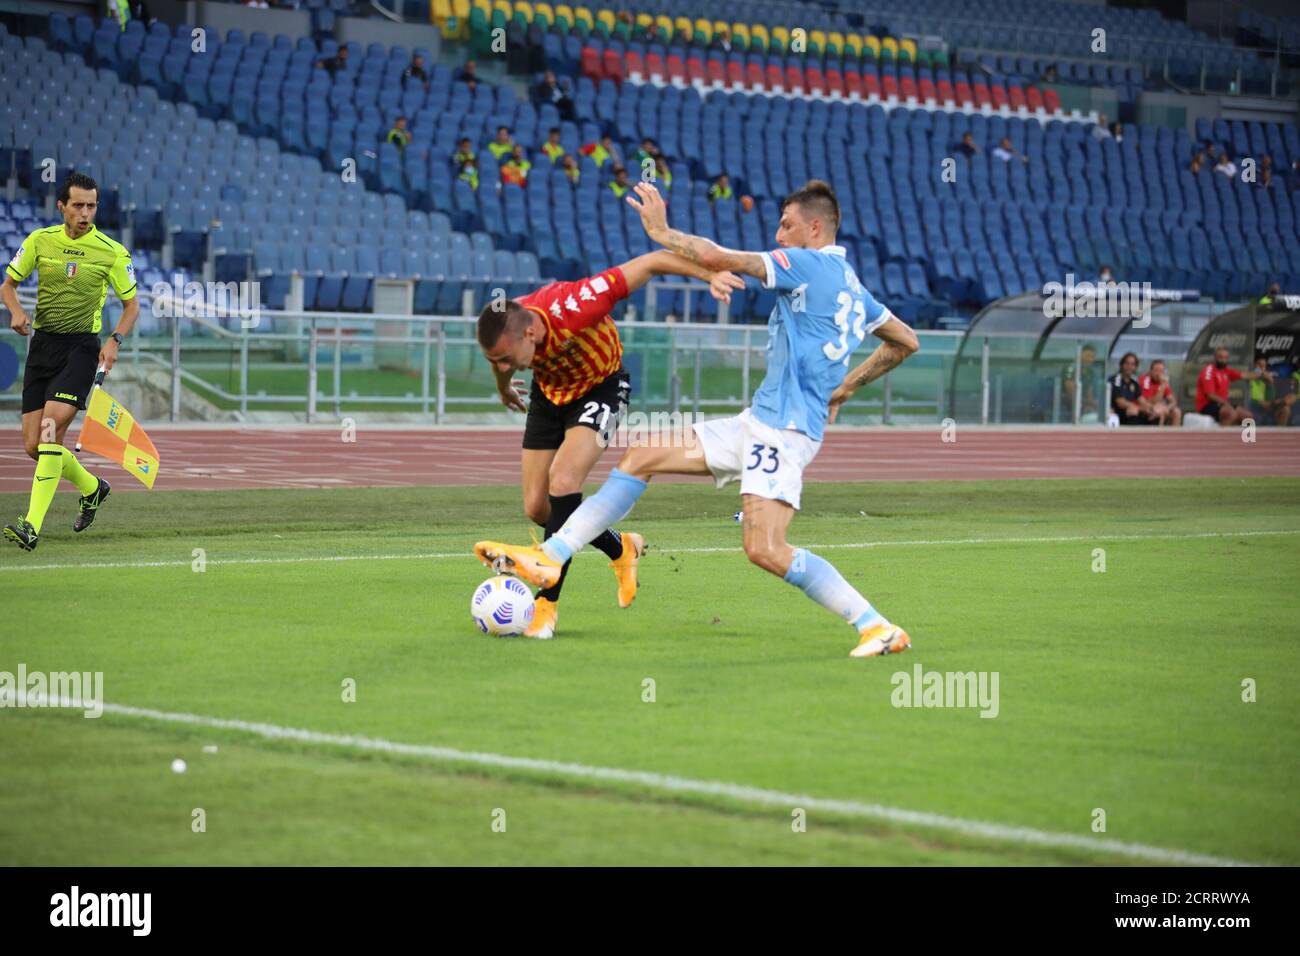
[[603, 152], [1049, 74], [682, 38], [1198, 162], [1117, 131], [468, 73], [514, 171], [415, 73], [1158, 401], [338, 63], [1264, 400], [1272, 292], [1106, 276], [1126, 393], [550, 91], [399, 136], [503, 145], [1266, 172], [1090, 373], [968, 146], [1006, 152], [1295, 174], [1225, 166], [552, 148], [619, 185], [571, 170], [469, 173], [647, 150], [1212, 390], [663, 173], [721, 41], [464, 154], [1102, 130], [721, 189]]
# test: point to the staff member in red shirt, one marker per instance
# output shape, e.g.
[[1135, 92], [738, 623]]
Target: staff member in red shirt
[[1158, 399], [1212, 390]]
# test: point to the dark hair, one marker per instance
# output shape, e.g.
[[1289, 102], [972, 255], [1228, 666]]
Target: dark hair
[[81, 181], [818, 200], [493, 321], [1129, 355], [500, 128]]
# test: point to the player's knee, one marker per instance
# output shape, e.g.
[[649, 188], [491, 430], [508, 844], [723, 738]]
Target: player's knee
[[637, 462], [32, 448], [763, 555], [565, 481], [537, 508]]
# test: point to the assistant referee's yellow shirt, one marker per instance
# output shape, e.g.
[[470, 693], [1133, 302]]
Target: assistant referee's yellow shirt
[[73, 277]]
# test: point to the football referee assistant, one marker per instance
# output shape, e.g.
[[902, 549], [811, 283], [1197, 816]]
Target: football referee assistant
[[74, 263]]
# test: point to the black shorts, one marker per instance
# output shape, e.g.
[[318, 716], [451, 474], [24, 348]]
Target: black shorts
[[60, 368], [1212, 409], [599, 409]]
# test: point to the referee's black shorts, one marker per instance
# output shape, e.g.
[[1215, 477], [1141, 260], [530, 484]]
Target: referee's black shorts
[[60, 368], [600, 409]]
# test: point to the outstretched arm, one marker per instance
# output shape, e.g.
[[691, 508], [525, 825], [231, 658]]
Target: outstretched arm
[[899, 341], [637, 272], [697, 249]]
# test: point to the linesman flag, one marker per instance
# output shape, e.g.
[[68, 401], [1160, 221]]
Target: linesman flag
[[110, 431]]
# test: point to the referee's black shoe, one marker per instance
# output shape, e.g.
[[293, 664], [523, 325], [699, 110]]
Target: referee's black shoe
[[22, 534], [89, 505]]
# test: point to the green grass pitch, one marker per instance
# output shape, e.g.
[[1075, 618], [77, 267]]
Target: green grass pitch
[[1119, 691]]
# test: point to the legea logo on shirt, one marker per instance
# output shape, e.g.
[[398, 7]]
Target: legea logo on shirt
[[18, 257]]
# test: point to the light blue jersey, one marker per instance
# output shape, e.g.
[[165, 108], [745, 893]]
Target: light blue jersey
[[822, 314]]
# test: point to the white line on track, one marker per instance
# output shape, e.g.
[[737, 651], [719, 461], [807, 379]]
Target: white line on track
[[666, 783], [441, 555]]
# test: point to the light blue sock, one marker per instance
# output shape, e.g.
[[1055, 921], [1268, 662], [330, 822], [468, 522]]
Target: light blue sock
[[820, 581], [602, 510]]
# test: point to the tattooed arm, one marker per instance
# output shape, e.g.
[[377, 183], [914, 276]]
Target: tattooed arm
[[899, 342], [705, 252]]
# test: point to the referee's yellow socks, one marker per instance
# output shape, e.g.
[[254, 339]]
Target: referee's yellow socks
[[52, 463], [49, 469], [74, 471]]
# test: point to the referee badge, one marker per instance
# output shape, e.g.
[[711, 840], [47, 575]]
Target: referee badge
[[72, 269]]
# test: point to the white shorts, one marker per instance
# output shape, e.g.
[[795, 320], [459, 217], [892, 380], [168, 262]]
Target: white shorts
[[767, 461]]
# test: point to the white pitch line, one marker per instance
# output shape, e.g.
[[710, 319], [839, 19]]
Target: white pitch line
[[673, 784], [441, 555]]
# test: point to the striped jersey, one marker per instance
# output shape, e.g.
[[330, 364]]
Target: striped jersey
[[582, 347], [73, 277]]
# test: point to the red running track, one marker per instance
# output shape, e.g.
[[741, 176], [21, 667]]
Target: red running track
[[318, 458]]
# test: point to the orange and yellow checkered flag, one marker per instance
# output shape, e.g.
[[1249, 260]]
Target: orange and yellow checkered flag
[[110, 431]]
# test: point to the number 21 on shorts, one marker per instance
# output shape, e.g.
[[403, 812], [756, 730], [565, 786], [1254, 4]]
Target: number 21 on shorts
[[757, 458]]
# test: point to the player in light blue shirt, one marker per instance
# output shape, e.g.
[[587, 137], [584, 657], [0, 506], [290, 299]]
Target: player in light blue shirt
[[819, 320], [822, 315]]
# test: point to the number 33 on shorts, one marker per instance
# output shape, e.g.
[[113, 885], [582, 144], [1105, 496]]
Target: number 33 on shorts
[[759, 454]]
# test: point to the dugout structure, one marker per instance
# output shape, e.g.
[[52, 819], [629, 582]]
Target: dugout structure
[[1270, 331], [1021, 355]]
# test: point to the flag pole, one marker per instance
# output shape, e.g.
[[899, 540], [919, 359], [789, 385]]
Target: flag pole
[[99, 380]]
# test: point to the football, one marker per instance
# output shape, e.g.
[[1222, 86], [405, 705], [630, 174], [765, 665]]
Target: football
[[502, 605]]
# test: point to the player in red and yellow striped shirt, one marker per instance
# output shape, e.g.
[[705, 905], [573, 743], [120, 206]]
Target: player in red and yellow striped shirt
[[565, 334]]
